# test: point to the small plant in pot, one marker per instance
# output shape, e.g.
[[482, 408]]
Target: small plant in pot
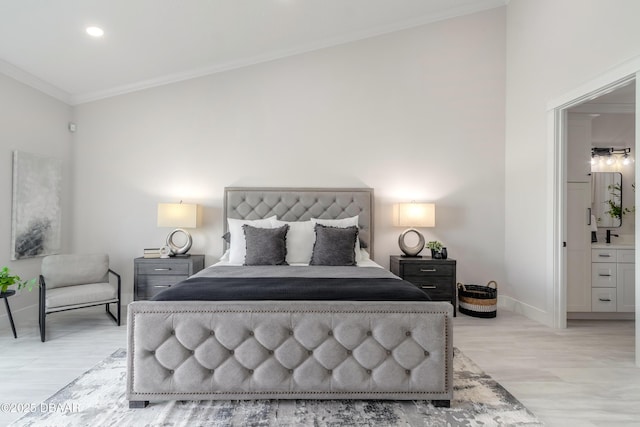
[[7, 279], [435, 247]]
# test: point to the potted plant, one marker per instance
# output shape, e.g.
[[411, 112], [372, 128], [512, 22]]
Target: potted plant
[[7, 279], [435, 247]]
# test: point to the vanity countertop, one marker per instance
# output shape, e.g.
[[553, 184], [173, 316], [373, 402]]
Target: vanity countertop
[[613, 246]]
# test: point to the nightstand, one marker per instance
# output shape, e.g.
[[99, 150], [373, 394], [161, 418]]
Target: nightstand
[[153, 275], [436, 277]]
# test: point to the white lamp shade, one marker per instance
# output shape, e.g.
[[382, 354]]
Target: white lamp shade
[[416, 215], [181, 215]]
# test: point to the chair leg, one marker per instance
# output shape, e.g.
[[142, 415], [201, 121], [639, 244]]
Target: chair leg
[[43, 317], [117, 320]]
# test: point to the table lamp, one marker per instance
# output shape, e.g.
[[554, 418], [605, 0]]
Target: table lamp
[[179, 215], [414, 215]]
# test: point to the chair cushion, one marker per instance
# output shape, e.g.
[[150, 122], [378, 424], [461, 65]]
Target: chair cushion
[[80, 294], [70, 270]]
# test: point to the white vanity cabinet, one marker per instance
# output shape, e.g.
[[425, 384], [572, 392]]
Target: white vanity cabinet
[[612, 280]]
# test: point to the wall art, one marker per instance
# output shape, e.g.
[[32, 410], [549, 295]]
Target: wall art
[[36, 214]]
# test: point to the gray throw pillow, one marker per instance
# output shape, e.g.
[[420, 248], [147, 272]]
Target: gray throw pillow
[[266, 246], [334, 246]]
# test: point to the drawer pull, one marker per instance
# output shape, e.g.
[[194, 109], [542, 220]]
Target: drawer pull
[[428, 286], [604, 275], [161, 286], [428, 270], [604, 299], [604, 255], [162, 269]]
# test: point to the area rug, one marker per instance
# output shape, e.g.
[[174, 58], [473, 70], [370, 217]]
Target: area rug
[[97, 398]]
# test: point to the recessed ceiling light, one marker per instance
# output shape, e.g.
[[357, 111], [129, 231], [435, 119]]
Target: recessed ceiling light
[[95, 31]]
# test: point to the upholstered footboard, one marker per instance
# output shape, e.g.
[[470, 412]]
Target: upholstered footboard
[[289, 350]]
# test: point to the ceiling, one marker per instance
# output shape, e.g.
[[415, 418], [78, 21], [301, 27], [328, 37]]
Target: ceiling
[[153, 42]]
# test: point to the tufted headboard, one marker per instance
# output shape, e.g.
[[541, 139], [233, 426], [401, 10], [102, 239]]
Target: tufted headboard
[[301, 204]]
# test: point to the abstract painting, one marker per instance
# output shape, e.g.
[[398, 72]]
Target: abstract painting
[[36, 219]]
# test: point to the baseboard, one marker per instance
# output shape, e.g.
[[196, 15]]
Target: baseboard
[[29, 316], [600, 316], [533, 313], [21, 316]]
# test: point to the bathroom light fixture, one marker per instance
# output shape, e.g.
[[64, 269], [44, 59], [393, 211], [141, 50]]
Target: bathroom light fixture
[[611, 154], [95, 31], [414, 215]]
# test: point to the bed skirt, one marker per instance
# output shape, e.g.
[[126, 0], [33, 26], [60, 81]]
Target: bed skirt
[[191, 350]]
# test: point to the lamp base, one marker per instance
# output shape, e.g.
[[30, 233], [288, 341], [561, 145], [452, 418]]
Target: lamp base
[[411, 251], [179, 250]]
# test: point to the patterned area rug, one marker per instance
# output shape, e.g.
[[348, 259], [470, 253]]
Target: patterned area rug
[[97, 398]]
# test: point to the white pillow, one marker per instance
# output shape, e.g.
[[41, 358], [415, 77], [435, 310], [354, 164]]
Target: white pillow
[[238, 244], [341, 223], [300, 239]]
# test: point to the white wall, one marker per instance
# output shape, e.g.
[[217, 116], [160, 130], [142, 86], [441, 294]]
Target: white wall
[[416, 115], [35, 123], [552, 48]]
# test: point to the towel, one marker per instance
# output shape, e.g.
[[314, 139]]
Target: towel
[[594, 224]]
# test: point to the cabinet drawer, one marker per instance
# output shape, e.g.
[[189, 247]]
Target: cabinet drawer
[[423, 270], [432, 285], [603, 275], [603, 255], [163, 268], [603, 299], [626, 256], [149, 285]]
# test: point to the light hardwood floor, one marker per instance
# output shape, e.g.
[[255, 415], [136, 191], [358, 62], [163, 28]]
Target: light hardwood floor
[[581, 376]]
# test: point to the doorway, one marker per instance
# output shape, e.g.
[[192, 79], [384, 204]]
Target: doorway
[[584, 104]]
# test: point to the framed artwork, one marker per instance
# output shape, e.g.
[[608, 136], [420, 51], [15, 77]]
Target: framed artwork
[[35, 215]]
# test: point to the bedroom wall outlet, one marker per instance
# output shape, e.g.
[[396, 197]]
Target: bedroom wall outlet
[[72, 127]]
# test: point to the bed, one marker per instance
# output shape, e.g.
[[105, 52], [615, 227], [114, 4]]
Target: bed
[[292, 331]]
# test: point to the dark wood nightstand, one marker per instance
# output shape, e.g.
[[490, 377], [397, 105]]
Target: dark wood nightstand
[[436, 277], [153, 275]]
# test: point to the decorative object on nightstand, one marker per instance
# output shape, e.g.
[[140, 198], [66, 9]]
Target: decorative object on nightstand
[[436, 249], [435, 277], [152, 276], [414, 215], [180, 215]]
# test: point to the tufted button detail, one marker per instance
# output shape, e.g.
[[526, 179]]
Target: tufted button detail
[[388, 352], [426, 353], [270, 351], [251, 371], [212, 333], [348, 351], [230, 351], [211, 371], [369, 333], [290, 332], [193, 352], [310, 352], [291, 371], [330, 372], [330, 333], [152, 352], [250, 333], [369, 371], [171, 371], [408, 333], [408, 372], [173, 332]]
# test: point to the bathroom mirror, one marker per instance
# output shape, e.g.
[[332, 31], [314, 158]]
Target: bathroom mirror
[[606, 198]]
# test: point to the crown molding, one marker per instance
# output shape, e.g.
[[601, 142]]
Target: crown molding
[[475, 7], [29, 79]]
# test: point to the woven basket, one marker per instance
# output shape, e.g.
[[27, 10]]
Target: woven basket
[[478, 301]]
